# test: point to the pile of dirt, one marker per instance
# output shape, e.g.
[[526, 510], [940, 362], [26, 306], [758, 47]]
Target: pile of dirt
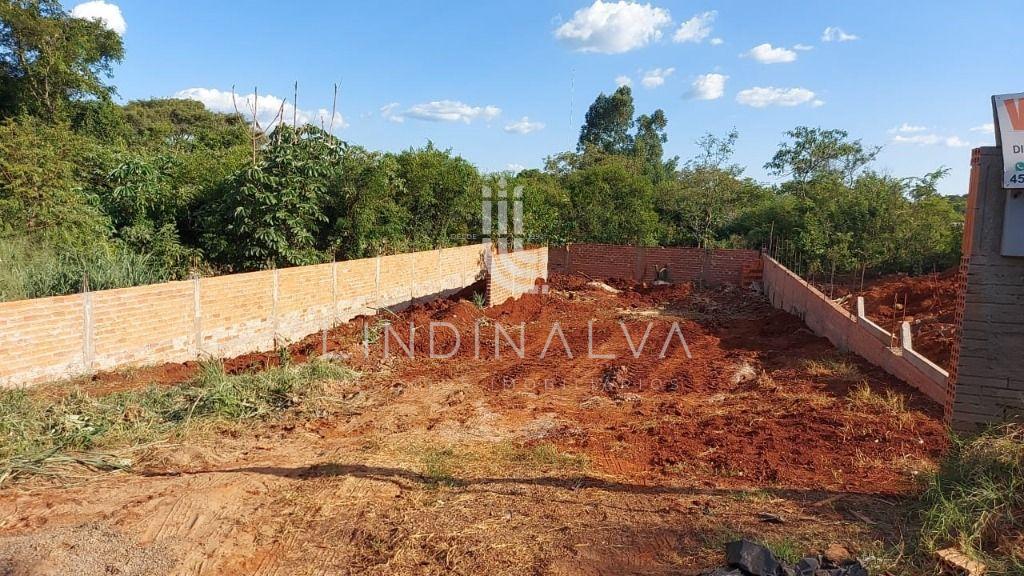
[[927, 302]]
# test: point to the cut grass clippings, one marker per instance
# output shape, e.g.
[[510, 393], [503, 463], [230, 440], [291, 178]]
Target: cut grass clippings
[[43, 436]]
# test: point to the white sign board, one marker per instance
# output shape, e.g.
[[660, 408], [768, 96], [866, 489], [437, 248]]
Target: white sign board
[[1009, 112]]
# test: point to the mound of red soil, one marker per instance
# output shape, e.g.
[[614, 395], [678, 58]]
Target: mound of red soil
[[927, 302]]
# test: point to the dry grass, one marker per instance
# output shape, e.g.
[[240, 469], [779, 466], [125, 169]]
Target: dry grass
[[835, 368], [888, 402]]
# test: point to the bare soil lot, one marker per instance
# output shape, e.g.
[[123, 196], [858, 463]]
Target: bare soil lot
[[508, 465]]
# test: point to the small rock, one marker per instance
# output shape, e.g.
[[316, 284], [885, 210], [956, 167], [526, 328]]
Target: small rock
[[752, 558], [808, 566], [855, 569], [602, 286], [744, 372], [334, 356], [837, 554]]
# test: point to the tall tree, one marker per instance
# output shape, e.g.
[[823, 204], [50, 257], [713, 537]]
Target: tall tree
[[649, 145], [49, 59], [608, 123], [707, 194]]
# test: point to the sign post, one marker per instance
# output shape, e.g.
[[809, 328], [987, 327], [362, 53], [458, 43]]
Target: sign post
[[1009, 117]]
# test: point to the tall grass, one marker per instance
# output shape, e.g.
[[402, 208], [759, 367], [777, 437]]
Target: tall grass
[[38, 269], [975, 501], [40, 435]]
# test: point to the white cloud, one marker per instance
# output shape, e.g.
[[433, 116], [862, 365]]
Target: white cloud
[[803, 47], [695, 29], [108, 14], [931, 140], [613, 27], [905, 128], [267, 107], [988, 127], [656, 77], [516, 168], [759, 97], [523, 126], [440, 111], [716, 41], [768, 54], [836, 34], [708, 87], [390, 112], [623, 81]]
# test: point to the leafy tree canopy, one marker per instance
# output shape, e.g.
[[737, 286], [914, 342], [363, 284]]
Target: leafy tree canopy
[[49, 59]]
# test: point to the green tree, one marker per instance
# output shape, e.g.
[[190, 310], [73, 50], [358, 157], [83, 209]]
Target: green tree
[[49, 59], [706, 195], [608, 123], [364, 211], [612, 202], [815, 152], [546, 206], [649, 146], [269, 214], [42, 168], [442, 197], [182, 124]]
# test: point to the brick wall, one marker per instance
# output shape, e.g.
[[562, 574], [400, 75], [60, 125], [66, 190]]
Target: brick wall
[[641, 263], [51, 338], [852, 333], [513, 274], [989, 345]]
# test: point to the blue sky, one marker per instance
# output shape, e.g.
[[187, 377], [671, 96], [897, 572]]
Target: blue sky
[[913, 76]]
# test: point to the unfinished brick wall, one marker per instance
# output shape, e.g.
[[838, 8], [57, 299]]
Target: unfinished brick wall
[[51, 338], [641, 263], [512, 274], [852, 333], [988, 372]]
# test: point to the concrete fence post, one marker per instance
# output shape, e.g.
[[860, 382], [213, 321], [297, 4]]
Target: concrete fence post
[[273, 308], [441, 284], [88, 346], [376, 284], [197, 315], [334, 293], [906, 337], [412, 281]]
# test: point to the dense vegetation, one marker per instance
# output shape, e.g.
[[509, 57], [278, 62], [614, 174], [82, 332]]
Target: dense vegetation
[[159, 189]]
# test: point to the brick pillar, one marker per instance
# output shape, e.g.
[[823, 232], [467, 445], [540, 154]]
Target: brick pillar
[[987, 377]]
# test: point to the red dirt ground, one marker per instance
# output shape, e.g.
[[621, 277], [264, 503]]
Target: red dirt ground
[[927, 302], [508, 465]]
